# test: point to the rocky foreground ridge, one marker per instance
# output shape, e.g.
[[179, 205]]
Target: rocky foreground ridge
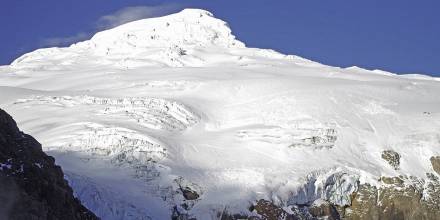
[[405, 198], [31, 185], [400, 197]]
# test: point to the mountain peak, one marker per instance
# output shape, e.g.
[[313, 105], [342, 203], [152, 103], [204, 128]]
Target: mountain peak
[[187, 28], [195, 12], [160, 40]]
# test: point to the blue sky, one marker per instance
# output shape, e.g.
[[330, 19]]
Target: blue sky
[[400, 36]]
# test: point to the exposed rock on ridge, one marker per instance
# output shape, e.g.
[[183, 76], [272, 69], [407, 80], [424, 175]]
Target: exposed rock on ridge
[[31, 185], [392, 157]]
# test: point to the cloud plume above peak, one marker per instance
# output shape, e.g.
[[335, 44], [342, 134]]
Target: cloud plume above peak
[[117, 18], [129, 14], [63, 41]]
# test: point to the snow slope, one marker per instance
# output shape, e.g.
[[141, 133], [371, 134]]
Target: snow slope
[[141, 110]]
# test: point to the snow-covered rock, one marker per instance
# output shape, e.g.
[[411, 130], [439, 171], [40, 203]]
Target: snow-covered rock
[[336, 188]]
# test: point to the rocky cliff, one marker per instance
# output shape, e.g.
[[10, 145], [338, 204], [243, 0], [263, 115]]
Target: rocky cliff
[[31, 185]]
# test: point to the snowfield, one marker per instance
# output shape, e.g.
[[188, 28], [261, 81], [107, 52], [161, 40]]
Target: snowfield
[[140, 112]]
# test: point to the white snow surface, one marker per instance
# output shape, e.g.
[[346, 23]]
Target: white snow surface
[[143, 109]]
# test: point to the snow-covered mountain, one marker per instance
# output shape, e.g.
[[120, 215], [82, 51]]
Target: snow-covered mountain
[[174, 116]]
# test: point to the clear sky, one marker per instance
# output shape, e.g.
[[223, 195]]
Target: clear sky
[[401, 36]]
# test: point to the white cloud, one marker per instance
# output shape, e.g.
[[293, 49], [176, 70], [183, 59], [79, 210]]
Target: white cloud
[[64, 41], [121, 16], [134, 13]]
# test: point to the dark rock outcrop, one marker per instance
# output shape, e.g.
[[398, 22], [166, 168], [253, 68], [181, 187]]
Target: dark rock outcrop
[[189, 194], [324, 210], [31, 185], [268, 210], [188, 189], [402, 197], [392, 157], [435, 162]]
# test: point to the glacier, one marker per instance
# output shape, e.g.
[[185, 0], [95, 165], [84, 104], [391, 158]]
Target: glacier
[[143, 114]]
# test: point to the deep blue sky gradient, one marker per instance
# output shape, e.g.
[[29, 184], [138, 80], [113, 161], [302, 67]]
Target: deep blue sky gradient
[[400, 36]]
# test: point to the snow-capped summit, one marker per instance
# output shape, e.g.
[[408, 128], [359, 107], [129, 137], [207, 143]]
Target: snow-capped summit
[[159, 41], [190, 27], [190, 38]]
